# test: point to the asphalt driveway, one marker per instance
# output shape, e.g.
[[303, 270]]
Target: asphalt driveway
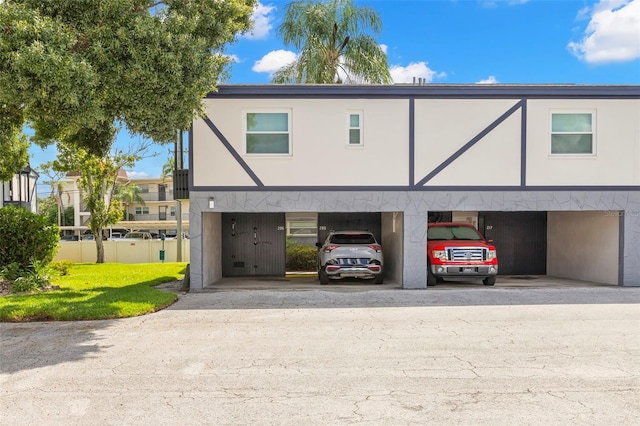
[[487, 356]]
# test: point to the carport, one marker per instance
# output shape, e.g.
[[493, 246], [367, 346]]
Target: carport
[[577, 245], [254, 244]]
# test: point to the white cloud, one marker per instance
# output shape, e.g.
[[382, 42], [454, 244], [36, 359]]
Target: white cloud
[[262, 19], [415, 70], [132, 174], [233, 59], [274, 60], [384, 48], [490, 80], [613, 33]]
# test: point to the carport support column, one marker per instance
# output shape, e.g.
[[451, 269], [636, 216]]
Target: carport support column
[[414, 269], [630, 246]]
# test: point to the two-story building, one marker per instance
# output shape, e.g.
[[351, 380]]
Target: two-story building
[[551, 173], [20, 190]]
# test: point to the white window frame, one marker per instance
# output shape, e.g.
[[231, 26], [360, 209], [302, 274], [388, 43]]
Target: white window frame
[[360, 115], [142, 210], [592, 112], [314, 225], [287, 111]]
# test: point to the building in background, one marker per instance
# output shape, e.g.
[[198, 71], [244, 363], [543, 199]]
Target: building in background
[[154, 209], [20, 191]]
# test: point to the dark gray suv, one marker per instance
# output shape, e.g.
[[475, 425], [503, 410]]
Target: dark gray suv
[[354, 254]]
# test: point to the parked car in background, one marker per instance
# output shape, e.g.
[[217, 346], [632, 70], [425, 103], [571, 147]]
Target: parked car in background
[[137, 236], [459, 250], [350, 254]]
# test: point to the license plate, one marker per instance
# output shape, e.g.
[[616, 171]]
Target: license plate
[[468, 270]]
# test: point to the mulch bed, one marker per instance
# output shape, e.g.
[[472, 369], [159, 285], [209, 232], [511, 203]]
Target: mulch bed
[[4, 288]]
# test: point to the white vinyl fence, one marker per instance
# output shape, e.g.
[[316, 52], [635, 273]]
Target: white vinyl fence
[[124, 251]]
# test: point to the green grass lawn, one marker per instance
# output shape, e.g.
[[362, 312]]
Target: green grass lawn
[[97, 291]]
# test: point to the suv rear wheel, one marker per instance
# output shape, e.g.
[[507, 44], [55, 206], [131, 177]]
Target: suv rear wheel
[[322, 274]]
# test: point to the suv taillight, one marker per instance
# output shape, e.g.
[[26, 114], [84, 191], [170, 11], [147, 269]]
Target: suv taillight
[[328, 249], [376, 247]]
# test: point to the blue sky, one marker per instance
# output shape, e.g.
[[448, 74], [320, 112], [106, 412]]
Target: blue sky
[[461, 42]]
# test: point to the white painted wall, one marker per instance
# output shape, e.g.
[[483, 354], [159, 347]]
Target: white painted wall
[[465, 217], [320, 154], [583, 245], [617, 144], [445, 126]]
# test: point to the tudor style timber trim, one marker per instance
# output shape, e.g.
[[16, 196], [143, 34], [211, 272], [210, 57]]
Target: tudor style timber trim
[[520, 93]]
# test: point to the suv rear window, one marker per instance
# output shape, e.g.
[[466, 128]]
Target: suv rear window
[[352, 239]]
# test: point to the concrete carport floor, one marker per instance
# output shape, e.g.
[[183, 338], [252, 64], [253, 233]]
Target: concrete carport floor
[[309, 281]]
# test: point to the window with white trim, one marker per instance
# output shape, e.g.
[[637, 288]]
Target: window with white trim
[[172, 211], [573, 133], [354, 123], [267, 132], [301, 228], [142, 210]]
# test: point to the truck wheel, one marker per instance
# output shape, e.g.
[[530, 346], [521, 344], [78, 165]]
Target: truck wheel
[[489, 280], [379, 279], [431, 279], [324, 279]]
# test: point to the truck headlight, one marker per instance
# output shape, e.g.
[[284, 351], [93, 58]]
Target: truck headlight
[[491, 254], [440, 254]]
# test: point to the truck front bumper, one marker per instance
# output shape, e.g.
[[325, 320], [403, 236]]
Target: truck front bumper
[[464, 270]]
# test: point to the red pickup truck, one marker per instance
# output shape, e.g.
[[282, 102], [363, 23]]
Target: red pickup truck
[[459, 250]]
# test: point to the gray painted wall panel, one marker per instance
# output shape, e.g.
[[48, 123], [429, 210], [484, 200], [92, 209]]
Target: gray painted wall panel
[[415, 206]]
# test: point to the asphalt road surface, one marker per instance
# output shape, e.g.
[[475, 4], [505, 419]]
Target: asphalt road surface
[[481, 356]]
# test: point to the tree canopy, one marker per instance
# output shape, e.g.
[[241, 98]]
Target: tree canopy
[[75, 70], [335, 43]]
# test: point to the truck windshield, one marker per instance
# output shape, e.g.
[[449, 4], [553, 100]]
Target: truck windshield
[[453, 233]]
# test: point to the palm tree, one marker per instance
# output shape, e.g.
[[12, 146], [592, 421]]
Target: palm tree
[[128, 194], [57, 183], [168, 168], [334, 44]]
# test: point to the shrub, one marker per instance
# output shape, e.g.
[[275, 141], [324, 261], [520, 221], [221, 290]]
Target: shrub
[[61, 266], [25, 237], [35, 278], [11, 272], [301, 258]]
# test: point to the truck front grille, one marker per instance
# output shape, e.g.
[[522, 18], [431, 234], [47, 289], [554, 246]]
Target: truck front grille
[[465, 254]]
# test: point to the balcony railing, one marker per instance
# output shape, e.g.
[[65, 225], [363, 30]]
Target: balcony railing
[[147, 217], [157, 196]]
